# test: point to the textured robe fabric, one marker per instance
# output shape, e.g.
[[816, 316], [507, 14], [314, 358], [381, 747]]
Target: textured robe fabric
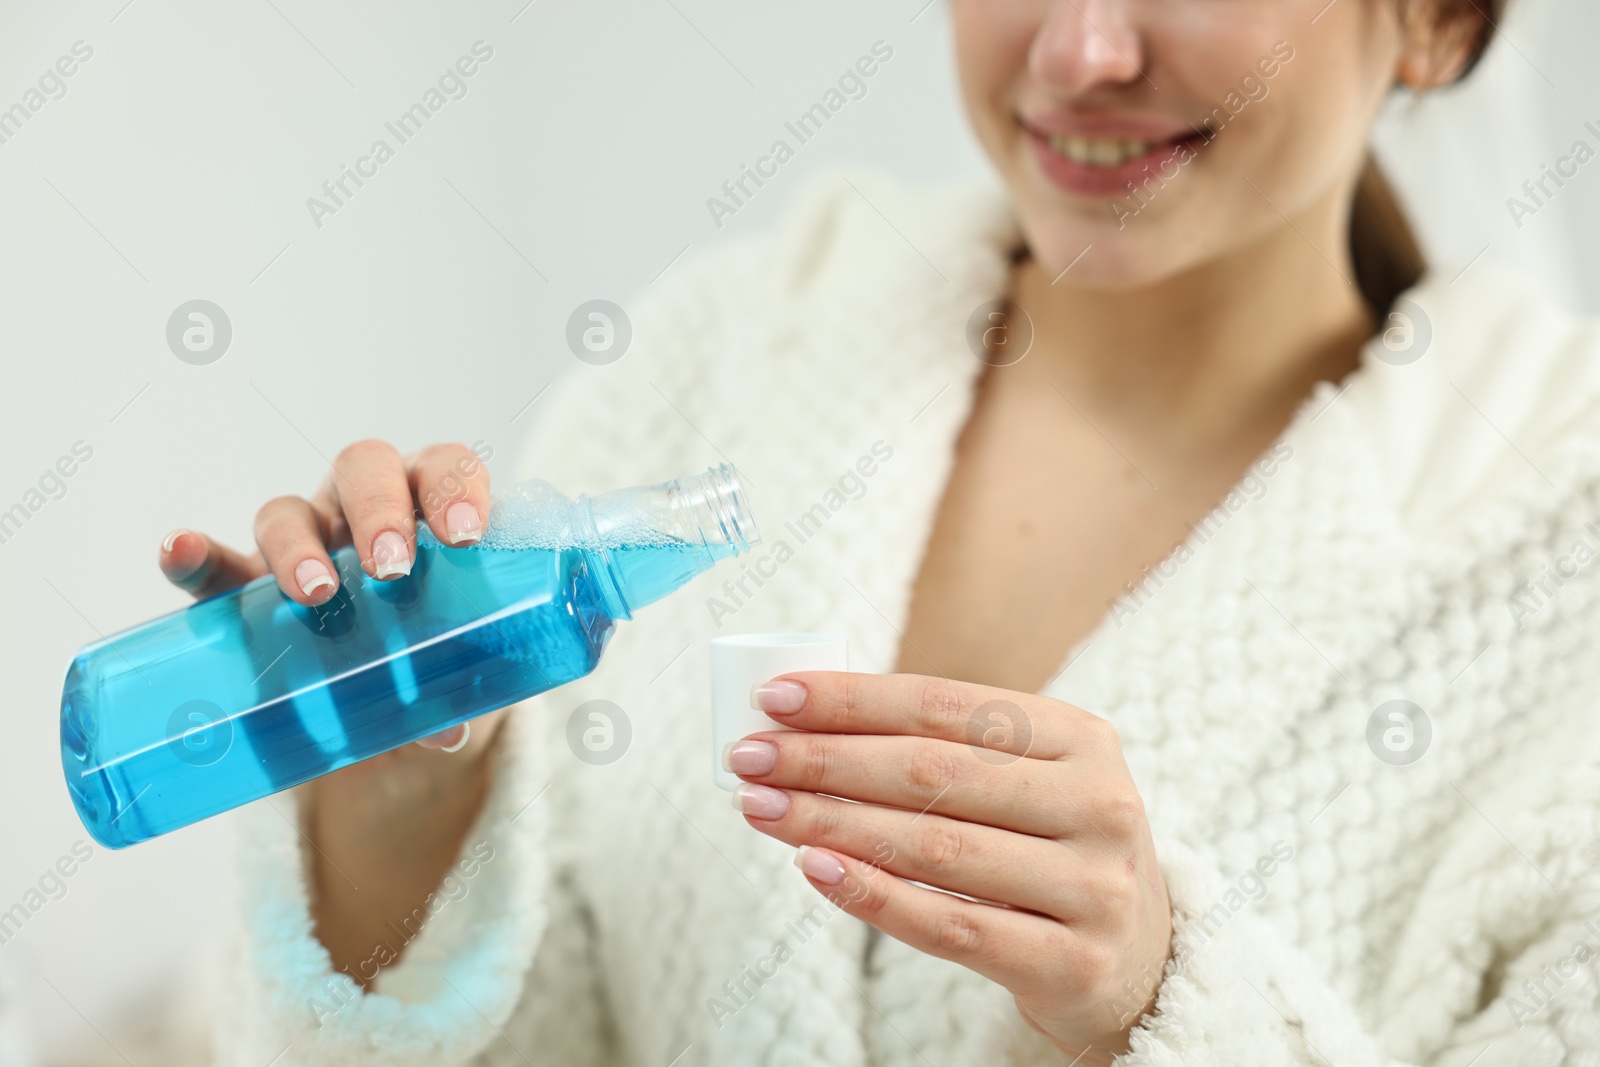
[[1426, 531]]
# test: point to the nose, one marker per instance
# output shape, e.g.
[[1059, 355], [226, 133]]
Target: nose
[[1085, 44]]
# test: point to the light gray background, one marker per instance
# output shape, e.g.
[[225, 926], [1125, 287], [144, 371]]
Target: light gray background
[[177, 167]]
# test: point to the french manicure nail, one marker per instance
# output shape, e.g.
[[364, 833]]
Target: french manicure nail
[[462, 523], [781, 697], [819, 865], [466, 732], [172, 539], [390, 555], [761, 801], [311, 575], [750, 757]]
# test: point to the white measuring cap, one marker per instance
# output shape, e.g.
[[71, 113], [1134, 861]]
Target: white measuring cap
[[740, 663]]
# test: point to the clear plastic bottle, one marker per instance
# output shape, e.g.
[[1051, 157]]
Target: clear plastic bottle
[[249, 693]]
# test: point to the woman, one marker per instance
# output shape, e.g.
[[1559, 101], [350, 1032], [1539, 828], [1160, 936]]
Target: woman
[[1318, 785]]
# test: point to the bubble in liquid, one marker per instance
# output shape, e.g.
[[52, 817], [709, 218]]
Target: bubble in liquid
[[534, 514]]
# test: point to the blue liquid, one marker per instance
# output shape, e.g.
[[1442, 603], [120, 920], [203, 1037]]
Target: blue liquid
[[249, 693]]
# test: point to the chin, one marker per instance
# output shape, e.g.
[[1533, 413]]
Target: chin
[[1123, 254], [1117, 260]]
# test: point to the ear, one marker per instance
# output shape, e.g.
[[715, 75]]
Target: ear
[[1439, 45]]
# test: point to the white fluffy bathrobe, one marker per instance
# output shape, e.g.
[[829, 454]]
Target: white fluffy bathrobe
[[1441, 912]]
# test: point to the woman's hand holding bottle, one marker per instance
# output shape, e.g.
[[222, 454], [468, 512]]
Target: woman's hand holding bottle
[[392, 824]]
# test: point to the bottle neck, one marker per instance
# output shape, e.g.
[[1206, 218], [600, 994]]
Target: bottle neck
[[652, 540]]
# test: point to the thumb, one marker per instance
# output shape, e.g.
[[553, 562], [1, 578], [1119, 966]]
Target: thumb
[[201, 567]]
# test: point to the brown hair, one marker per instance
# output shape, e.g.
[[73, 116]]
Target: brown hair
[[1384, 248]]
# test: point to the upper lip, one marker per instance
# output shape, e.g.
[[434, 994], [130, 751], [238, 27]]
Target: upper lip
[[1125, 127]]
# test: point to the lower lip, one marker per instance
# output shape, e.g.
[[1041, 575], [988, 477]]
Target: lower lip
[[1081, 179]]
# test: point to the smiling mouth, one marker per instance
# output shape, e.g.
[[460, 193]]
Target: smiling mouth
[[1104, 152], [1101, 158]]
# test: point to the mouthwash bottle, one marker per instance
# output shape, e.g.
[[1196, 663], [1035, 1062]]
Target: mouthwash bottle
[[248, 693]]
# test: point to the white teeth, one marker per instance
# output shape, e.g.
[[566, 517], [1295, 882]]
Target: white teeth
[[1098, 151]]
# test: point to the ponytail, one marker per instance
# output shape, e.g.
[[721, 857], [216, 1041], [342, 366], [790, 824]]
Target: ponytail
[[1384, 248], [1388, 257]]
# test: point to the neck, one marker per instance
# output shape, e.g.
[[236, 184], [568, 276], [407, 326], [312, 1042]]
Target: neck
[[1235, 342]]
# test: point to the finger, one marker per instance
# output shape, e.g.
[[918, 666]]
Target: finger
[[466, 740], [451, 739], [916, 774], [201, 567], [292, 535], [962, 712], [1015, 949], [326, 501], [1015, 870], [451, 486], [374, 495]]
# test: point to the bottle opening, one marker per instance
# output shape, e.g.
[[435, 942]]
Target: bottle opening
[[653, 539], [718, 507]]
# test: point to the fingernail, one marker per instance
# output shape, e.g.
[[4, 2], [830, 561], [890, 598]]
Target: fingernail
[[172, 539], [390, 555], [311, 575], [466, 732], [462, 523], [750, 757], [778, 697], [761, 801], [819, 865]]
